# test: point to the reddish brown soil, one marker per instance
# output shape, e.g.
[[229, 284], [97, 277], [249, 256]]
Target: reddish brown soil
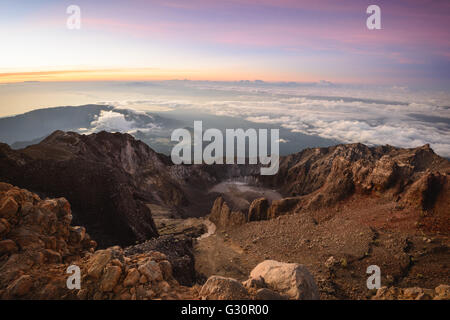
[[359, 232]]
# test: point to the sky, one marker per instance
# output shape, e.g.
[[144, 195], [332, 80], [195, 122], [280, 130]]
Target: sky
[[228, 40]]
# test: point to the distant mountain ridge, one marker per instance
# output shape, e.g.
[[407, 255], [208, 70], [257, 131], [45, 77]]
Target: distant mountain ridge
[[42, 122], [32, 127]]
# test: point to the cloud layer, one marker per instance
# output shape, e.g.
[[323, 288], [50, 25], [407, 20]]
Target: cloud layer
[[374, 116]]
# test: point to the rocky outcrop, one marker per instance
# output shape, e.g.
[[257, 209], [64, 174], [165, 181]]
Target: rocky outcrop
[[258, 210], [441, 292], [282, 206], [321, 177], [36, 232], [179, 252], [223, 216], [38, 244], [110, 274], [107, 177]]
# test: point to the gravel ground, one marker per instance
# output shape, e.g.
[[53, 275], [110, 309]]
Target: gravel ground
[[357, 233]]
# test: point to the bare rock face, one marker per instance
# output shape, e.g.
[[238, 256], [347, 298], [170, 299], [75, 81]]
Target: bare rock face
[[281, 207], [221, 288], [290, 279], [107, 177], [258, 210], [223, 216], [430, 195], [321, 177]]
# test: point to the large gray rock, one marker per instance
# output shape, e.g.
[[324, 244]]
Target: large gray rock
[[221, 288], [291, 279]]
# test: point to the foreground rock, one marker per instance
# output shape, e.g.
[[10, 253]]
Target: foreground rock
[[179, 252], [220, 288], [38, 244], [270, 280], [290, 279], [441, 292]]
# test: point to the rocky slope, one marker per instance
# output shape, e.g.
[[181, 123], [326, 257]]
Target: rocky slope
[[112, 180], [320, 178], [344, 208], [108, 178], [38, 244]]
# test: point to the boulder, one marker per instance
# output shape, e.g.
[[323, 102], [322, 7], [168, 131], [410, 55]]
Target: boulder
[[291, 279], [110, 278], [166, 269], [41, 245], [151, 270], [132, 278], [98, 263], [221, 288]]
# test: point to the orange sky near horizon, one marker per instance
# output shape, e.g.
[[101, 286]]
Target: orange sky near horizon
[[144, 74]]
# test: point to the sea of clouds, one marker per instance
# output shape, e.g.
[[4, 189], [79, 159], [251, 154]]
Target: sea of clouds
[[369, 123], [371, 115]]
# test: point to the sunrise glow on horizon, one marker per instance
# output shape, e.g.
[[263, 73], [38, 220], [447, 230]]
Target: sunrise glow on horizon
[[227, 41]]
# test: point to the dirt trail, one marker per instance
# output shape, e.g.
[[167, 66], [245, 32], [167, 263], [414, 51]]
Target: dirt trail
[[217, 255]]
